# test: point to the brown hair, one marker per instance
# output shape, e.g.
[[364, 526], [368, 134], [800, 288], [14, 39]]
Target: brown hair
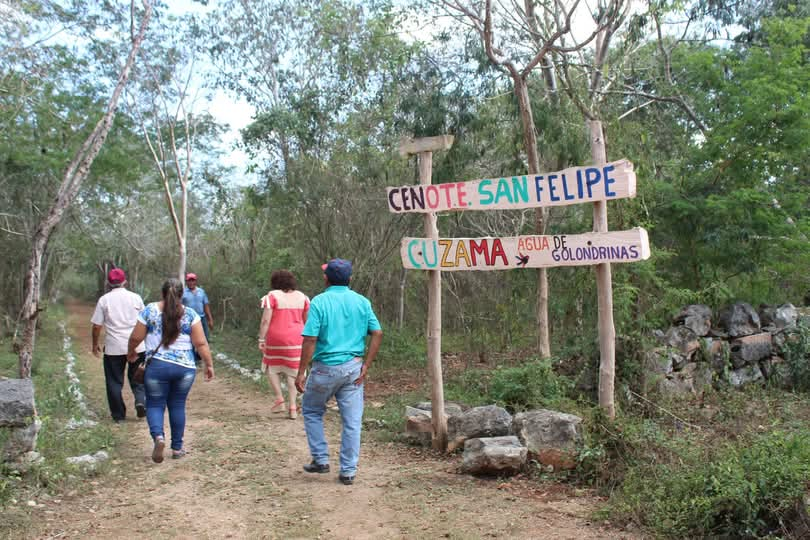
[[283, 280], [172, 292]]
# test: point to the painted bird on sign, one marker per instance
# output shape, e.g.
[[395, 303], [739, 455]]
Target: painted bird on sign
[[523, 260]]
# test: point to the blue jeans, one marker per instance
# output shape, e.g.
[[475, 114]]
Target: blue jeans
[[323, 383], [167, 385]]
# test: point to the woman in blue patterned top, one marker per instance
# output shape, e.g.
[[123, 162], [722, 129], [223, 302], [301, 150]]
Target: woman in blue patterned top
[[172, 332]]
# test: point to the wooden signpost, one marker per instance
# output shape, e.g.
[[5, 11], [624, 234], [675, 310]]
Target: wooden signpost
[[597, 184], [424, 149], [539, 251], [604, 287], [575, 185]]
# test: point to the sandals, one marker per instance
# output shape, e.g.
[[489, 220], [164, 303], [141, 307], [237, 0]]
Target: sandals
[[278, 406], [293, 412], [177, 454]]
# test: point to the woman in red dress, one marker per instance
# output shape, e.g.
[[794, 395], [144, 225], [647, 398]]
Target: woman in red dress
[[285, 312]]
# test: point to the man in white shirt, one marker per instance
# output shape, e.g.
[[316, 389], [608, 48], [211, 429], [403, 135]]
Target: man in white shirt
[[117, 312]]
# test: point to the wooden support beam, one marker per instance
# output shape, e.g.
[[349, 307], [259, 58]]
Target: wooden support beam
[[424, 148], [409, 146], [604, 288]]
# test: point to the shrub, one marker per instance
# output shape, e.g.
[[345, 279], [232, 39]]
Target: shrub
[[528, 386], [742, 492], [531, 385], [402, 349], [797, 356]]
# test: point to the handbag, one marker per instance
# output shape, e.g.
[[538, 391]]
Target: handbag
[[137, 377], [140, 371]]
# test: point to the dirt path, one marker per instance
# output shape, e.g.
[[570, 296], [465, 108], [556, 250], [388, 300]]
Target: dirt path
[[243, 479]]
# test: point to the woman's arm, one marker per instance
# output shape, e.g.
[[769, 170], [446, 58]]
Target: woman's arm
[[267, 315], [135, 338], [201, 344]]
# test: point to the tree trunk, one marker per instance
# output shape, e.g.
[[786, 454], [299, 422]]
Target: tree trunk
[[74, 175], [181, 265], [530, 144]]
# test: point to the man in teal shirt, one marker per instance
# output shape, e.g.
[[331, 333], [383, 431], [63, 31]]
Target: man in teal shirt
[[335, 333]]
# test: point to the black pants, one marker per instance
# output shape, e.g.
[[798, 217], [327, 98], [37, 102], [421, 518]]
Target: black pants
[[114, 366]]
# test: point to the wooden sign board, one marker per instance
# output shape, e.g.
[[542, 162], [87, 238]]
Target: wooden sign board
[[615, 180], [541, 251]]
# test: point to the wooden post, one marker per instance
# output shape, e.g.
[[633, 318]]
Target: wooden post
[[604, 288], [424, 148]]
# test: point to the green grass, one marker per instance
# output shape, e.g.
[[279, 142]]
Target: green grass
[[241, 347], [401, 350], [55, 406], [238, 344], [387, 423]]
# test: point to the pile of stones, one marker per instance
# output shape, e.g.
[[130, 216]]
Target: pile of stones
[[740, 346], [496, 443]]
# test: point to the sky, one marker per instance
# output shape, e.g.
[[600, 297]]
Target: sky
[[226, 109], [237, 113]]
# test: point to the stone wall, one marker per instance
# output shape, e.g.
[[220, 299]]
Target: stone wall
[[739, 345]]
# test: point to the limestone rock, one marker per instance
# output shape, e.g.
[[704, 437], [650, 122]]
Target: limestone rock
[[553, 438], [697, 318], [16, 402], [89, 461], [751, 349], [493, 455], [739, 320], [683, 339], [21, 440], [485, 421]]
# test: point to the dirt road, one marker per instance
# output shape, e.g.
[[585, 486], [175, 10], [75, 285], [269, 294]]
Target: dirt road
[[242, 478]]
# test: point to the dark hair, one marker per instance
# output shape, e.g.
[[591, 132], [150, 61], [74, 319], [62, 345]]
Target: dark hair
[[283, 280], [172, 292]]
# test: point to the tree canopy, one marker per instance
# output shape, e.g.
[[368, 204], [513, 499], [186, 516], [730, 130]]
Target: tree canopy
[[709, 101]]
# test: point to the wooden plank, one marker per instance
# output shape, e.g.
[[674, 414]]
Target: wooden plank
[[425, 144], [537, 251], [575, 185]]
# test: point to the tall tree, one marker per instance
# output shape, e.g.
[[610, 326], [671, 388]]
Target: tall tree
[[503, 29], [72, 178]]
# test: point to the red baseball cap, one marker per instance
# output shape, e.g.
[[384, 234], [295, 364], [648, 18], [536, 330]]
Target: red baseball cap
[[191, 275], [116, 276]]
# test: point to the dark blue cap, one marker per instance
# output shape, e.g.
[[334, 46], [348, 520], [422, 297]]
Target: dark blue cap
[[338, 271]]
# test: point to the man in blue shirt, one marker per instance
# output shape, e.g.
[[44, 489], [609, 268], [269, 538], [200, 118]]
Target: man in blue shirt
[[195, 298], [335, 333]]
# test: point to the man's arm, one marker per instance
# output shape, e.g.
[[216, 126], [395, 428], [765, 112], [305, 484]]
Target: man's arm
[[373, 349], [208, 316], [307, 350], [96, 334]]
